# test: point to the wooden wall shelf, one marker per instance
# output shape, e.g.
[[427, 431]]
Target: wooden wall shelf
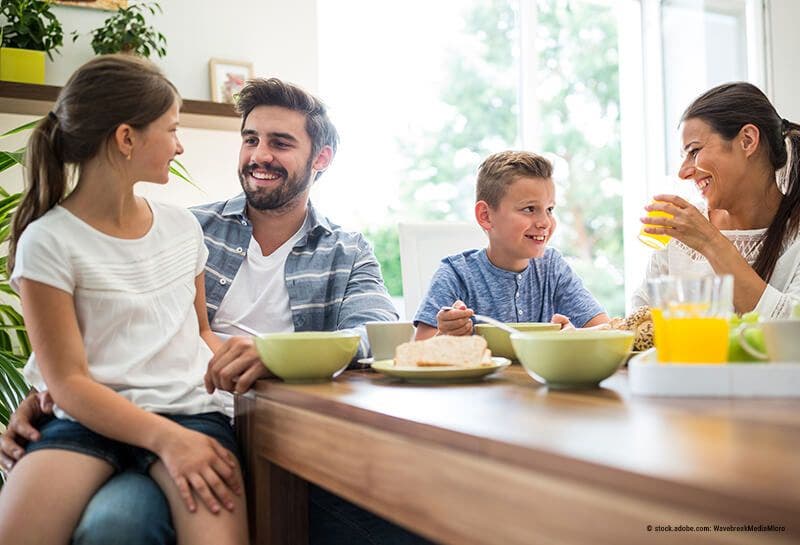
[[31, 99]]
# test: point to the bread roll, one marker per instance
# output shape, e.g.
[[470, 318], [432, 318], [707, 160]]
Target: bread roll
[[640, 322]]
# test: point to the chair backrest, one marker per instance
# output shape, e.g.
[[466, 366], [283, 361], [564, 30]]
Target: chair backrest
[[422, 247]]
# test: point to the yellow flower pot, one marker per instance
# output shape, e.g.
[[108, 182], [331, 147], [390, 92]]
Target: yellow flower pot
[[22, 65]]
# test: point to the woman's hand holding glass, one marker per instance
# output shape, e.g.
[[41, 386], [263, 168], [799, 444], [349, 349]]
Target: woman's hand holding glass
[[687, 224], [198, 463]]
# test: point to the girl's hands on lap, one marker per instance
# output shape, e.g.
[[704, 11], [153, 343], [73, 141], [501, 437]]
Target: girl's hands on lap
[[687, 224], [198, 464]]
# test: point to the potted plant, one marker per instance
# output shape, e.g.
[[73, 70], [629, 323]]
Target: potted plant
[[127, 31], [29, 30]]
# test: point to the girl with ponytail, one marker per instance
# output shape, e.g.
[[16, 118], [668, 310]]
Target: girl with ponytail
[[113, 296], [744, 159]]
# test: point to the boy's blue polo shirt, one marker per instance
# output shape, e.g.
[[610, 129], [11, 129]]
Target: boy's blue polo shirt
[[546, 287]]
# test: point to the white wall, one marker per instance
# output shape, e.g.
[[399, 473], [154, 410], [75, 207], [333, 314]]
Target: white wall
[[279, 38], [785, 45]]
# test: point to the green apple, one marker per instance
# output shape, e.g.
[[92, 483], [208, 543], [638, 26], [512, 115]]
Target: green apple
[[754, 337]]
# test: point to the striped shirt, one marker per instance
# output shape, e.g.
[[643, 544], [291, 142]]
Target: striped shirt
[[332, 276]]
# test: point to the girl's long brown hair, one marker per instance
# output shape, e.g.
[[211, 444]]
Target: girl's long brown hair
[[100, 96], [729, 107]]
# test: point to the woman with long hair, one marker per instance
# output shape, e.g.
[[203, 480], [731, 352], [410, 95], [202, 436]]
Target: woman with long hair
[[744, 159]]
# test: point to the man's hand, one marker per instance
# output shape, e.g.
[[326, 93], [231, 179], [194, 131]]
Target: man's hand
[[455, 321], [21, 428], [235, 366]]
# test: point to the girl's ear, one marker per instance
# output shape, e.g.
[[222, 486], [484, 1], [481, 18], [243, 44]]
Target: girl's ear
[[483, 215], [749, 137], [123, 140]]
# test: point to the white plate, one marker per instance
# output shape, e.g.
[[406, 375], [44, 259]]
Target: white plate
[[440, 374], [774, 379]]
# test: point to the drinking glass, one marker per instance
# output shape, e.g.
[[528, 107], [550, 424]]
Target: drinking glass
[[690, 317], [657, 242]]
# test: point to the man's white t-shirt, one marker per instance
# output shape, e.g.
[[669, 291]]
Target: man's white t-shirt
[[134, 300], [258, 297]]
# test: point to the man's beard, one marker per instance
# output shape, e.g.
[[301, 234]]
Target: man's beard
[[279, 196]]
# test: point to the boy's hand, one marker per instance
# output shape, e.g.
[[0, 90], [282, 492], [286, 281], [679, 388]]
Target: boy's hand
[[562, 320], [456, 320]]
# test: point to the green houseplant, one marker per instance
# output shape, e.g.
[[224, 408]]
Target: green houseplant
[[14, 344], [29, 31], [127, 31]]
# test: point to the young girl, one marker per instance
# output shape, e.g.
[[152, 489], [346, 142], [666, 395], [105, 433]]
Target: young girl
[[113, 296]]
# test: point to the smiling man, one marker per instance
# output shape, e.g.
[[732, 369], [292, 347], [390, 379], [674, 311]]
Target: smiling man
[[274, 265]]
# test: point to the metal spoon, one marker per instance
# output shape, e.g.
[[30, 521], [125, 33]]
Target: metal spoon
[[497, 323], [241, 327]]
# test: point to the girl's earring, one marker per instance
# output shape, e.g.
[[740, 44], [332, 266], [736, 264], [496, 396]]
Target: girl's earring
[[129, 156]]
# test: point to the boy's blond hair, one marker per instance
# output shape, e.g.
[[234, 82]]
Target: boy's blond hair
[[500, 170]]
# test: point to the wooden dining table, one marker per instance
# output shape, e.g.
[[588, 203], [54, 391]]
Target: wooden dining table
[[506, 460]]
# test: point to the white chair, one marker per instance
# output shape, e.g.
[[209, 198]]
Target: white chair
[[422, 247]]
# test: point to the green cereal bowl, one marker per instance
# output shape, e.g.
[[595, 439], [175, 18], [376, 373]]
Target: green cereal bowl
[[499, 342], [307, 356], [572, 359]]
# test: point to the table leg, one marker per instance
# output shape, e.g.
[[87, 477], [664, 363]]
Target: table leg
[[277, 500]]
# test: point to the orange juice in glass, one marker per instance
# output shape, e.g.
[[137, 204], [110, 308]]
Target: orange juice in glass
[[657, 242], [690, 321], [660, 335]]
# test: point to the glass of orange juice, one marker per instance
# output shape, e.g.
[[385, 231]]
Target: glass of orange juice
[[690, 318], [657, 242]]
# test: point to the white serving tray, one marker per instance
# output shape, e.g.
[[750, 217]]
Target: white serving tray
[[647, 377]]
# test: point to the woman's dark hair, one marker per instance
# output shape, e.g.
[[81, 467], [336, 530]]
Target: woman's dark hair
[[729, 107], [100, 96]]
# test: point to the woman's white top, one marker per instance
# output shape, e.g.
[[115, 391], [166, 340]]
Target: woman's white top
[[134, 301], [781, 293]]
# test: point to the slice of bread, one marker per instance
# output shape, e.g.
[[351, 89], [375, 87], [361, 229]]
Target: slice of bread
[[444, 351]]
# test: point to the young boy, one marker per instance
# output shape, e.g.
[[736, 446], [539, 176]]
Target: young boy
[[516, 278]]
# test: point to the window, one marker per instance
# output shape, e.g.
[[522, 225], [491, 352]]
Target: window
[[429, 89], [674, 50], [426, 90]]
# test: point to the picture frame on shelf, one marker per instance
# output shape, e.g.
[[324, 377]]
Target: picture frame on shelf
[[108, 5], [227, 78]]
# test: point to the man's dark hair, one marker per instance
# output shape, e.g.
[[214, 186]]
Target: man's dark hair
[[274, 92]]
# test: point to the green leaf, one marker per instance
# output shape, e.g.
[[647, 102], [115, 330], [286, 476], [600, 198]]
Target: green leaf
[[13, 386], [10, 158], [177, 169], [21, 128]]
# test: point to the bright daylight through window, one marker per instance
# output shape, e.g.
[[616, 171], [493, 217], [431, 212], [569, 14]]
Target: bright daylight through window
[[426, 90]]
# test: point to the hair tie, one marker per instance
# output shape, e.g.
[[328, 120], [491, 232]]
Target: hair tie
[[785, 126], [53, 117]]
